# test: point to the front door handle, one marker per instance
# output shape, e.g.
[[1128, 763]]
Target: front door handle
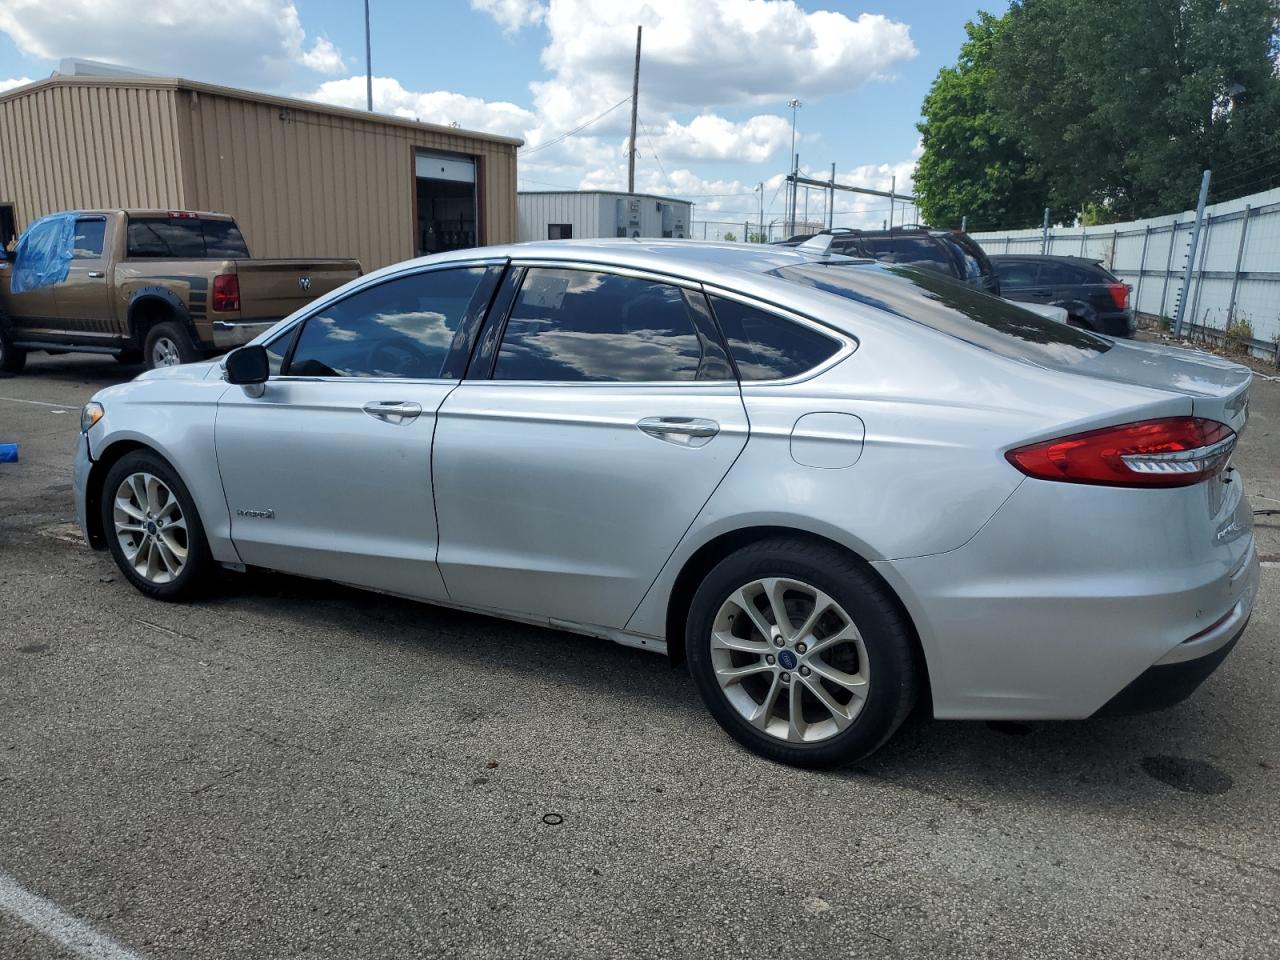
[[684, 431], [96, 274], [392, 411]]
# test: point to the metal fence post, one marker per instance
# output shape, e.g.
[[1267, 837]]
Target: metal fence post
[[1044, 233], [1084, 236], [1168, 265], [1235, 277], [1142, 267], [1204, 255], [1191, 253]]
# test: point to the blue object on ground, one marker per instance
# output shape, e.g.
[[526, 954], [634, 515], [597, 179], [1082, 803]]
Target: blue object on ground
[[44, 253], [8, 453]]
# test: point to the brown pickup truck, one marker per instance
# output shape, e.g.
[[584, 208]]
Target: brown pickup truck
[[154, 286]]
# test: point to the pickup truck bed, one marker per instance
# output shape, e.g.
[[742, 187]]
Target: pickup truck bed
[[156, 286]]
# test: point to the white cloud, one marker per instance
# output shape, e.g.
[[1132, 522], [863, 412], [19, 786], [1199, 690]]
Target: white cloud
[[511, 15], [323, 57], [249, 42], [10, 84], [712, 137], [438, 106]]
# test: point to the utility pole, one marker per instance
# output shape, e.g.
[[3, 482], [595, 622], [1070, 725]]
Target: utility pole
[[831, 206], [795, 105], [1191, 254], [893, 189], [760, 190], [635, 104], [1044, 234], [368, 57]]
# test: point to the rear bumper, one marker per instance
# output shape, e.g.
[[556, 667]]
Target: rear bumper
[[1123, 324], [227, 335]]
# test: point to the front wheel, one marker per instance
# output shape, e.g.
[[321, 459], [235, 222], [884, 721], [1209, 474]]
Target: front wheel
[[800, 653], [153, 530]]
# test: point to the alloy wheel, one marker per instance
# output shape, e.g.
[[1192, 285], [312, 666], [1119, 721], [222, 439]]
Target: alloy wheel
[[150, 527], [164, 353], [790, 660]]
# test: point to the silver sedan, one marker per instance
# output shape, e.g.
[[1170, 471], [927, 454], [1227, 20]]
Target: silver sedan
[[835, 489]]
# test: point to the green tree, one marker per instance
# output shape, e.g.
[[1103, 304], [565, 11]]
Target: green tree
[[972, 166], [1123, 104]]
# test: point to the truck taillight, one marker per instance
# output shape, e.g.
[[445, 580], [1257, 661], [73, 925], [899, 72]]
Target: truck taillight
[[1170, 452], [1119, 295], [226, 292]]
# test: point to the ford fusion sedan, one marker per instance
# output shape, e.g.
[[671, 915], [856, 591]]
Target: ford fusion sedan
[[834, 488]]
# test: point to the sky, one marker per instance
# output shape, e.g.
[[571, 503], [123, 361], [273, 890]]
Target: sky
[[715, 79]]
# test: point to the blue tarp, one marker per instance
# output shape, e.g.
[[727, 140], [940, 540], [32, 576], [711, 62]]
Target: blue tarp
[[43, 255]]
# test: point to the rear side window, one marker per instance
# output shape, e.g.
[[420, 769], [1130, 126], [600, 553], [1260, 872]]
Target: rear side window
[[186, 238], [580, 325], [1054, 274], [90, 233], [911, 251], [956, 309], [403, 328], [767, 347], [1016, 275]]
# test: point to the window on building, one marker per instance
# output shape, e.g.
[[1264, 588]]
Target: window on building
[[8, 224], [579, 325], [404, 328], [560, 231]]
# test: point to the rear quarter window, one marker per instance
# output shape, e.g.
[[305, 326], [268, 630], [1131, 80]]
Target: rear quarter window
[[768, 347], [956, 309]]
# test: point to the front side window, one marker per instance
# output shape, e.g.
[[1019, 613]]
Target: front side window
[[88, 241], [767, 347], [403, 328], [580, 325]]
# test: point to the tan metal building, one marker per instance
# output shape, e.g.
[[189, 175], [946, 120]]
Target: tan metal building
[[303, 179]]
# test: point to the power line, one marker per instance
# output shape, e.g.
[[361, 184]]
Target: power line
[[653, 148], [579, 129]]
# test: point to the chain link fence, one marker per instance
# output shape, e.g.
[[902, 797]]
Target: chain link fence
[[1235, 282]]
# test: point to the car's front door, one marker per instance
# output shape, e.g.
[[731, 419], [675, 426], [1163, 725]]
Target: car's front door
[[582, 444], [83, 299], [328, 472]]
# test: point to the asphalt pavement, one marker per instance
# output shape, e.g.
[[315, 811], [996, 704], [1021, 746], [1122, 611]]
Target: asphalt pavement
[[294, 769]]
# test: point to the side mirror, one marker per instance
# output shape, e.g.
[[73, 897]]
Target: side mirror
[[248, 365]]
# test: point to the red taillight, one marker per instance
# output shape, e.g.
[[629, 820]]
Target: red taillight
[[1119, 295], [1173, 452], [226, 292]]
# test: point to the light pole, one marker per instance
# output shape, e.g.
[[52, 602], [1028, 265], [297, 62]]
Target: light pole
[[795, 105]]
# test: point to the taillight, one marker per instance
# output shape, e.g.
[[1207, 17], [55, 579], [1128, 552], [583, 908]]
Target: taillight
[[1119, 295], [226, 292], [1172, 452]]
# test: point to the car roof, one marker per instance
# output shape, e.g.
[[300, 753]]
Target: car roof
[[1052, 257]]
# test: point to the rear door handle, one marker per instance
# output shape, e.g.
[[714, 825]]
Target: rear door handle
[[684, 431], [96, 274], [392, 411]]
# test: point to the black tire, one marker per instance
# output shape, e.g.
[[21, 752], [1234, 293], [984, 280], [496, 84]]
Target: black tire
[[12, 359], [165, 336], [199, 570], [1079, 324], [887, 636], [128, 358]]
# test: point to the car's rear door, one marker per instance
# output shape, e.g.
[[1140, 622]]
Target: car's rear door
[[328, 472], [599, 415]]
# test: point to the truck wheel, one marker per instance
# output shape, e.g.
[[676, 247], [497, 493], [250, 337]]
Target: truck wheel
[[168, 345], [12, 359]]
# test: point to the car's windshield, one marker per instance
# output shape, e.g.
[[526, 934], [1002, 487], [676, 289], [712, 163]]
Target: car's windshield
[[928, 297]]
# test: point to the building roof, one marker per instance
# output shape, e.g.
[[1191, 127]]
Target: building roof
[[196, 86], [601, 193]]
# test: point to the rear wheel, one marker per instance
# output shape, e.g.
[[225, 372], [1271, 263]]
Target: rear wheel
[[153, 530], [800, 653], [168, 345], [12, 359]]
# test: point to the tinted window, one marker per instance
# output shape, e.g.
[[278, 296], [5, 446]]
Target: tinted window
[[767, 347], [185, 238], [1017, 274], [401, 328], [88, 240], [956, 309], [575, 325], [1056, 274], [913, 250]]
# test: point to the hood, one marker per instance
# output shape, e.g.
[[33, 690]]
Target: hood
[[1218, 388], [185, 371]]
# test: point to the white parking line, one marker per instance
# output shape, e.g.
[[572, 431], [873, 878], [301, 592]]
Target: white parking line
[[56, 924], [38, 403]]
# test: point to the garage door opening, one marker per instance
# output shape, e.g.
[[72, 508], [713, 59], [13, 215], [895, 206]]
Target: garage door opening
[[446, 202]]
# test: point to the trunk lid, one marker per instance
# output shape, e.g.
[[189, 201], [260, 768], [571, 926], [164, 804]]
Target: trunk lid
[[271, 289], [1219, 389]]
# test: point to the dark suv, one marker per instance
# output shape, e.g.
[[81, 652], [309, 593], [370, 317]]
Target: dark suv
[[1093, 297], [952, 252]]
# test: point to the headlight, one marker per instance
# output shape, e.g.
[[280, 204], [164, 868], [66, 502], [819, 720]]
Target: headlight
[[90, 415]]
